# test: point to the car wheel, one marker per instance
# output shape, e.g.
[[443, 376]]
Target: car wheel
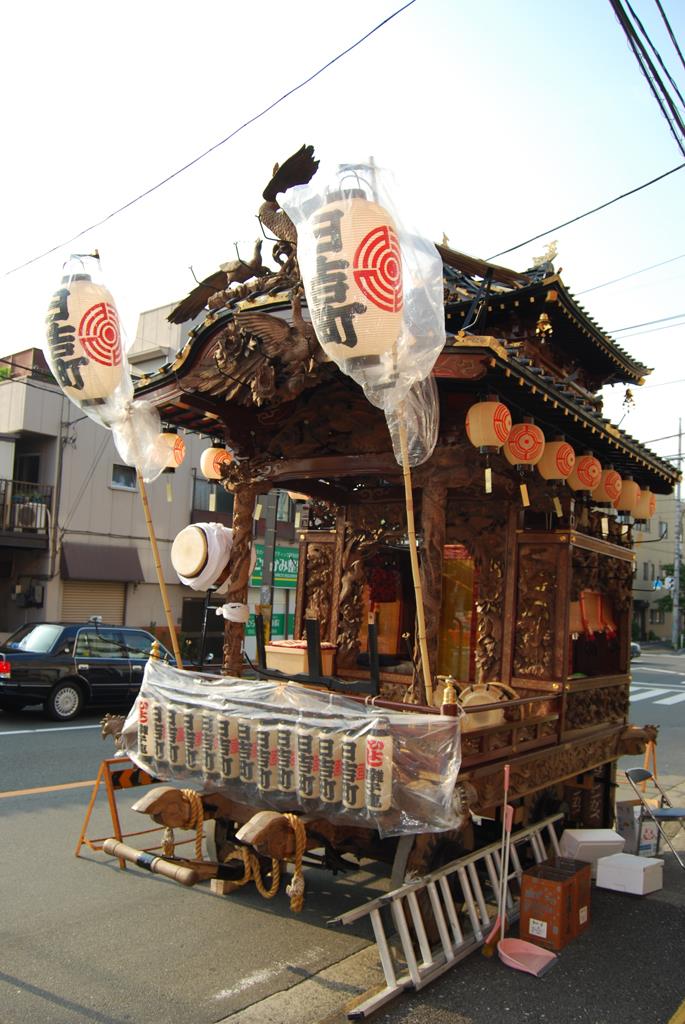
[[65, 702], [7, 704]]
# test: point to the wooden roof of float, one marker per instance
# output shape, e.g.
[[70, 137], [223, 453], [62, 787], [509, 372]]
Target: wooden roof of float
[[254, 376]]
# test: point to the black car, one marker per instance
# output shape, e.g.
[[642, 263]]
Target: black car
[[67, 666]]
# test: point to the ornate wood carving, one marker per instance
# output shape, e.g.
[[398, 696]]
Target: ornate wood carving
[[360, 542], [533, 650], [318, 585], [593, 707], [243, 512], [433, 502], [545, 768]]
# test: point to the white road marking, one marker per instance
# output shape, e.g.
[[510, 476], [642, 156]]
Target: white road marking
[[266, 973], [672, 700], [57, 728], [646, 694], [664, 672]]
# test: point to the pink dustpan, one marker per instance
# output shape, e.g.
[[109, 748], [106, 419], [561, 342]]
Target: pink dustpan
[[525, 956]]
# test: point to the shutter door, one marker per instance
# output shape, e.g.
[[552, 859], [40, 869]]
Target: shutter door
[[83, 598]]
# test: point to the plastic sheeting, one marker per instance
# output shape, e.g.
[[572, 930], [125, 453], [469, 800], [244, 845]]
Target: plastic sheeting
[[287, 747]]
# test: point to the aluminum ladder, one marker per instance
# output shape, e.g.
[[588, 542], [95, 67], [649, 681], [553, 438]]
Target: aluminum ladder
[[402, 968]]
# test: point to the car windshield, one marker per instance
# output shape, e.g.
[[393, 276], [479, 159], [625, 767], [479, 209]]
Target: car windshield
[[40, 638]]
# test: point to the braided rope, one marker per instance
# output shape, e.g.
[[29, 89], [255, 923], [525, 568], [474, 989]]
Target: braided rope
[[296, 888], [197, 816], [253, 872]]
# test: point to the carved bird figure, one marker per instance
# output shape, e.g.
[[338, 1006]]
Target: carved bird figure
[[227, 274], [298, 169]]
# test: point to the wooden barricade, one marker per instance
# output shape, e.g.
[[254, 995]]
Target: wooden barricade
[[114, 779]]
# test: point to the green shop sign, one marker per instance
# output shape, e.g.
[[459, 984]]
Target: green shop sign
[[277, 625], [285, 567]]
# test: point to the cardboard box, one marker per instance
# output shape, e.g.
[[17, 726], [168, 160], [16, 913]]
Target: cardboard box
[[589, 844], [290, 656], [555, 902], [640, 839], [625, 872]]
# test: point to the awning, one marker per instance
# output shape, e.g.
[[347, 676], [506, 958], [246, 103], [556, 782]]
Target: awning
[[100, 562]]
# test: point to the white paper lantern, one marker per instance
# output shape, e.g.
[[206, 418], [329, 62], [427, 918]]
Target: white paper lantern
[[211, 461], [177, 449], [356, 287], [84, 347]]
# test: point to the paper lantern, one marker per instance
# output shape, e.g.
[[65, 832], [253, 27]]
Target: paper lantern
[[84, 340], [525, 445], [609, 487], [557, 462], [488, 425], [177, 449], [646, 506], [211, 461], [628, 500], [356, 286], [586, 474]]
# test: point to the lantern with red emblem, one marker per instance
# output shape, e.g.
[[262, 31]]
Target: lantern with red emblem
[[609, 488], [211, 461], [488, 425], [524, 448], [628, 500], [84, 345], [177, 449], [646, 506], [586, 474], [557, 462]]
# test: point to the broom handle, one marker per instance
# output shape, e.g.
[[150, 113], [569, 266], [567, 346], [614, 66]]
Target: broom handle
[[414, 558], [158, 567]]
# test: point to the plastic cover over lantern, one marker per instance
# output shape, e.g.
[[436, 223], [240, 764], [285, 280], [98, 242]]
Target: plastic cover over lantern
[[525, 445], [609, 487], [85, 351], [628, 500], [558, 460], [646, 506], [586, 473], [374, 288], [211, 461]]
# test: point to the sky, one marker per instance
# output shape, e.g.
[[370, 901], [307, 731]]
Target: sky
[[498, 120]]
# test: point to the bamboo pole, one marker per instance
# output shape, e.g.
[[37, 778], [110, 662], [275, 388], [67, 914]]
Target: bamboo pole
[[416, 575], [158, 567]]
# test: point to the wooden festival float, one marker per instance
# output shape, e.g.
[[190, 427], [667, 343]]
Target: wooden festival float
[[524, 537]]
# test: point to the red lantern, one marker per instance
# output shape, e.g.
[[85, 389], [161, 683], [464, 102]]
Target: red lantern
[[629, 497], [557, 462], [525, 445], [609, 487], [586, 474], [646, 506], [488, 425]]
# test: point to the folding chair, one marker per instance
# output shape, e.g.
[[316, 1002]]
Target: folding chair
[[665, 812]]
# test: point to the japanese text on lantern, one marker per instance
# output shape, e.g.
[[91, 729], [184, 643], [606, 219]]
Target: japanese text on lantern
[[330, 285], [62, 342]]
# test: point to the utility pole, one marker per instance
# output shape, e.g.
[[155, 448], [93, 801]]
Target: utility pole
[[675, 625]]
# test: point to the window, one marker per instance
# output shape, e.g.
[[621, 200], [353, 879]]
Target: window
[[285, 505], [138, 643], [124, 476], [663, 530], [39, 639], [203, 489], [103, 643], [657, 616]]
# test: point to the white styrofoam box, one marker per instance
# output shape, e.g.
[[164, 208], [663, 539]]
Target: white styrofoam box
[[625, 872], [589, 844]]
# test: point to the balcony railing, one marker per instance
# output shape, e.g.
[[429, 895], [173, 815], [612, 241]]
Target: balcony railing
[[24, 507]]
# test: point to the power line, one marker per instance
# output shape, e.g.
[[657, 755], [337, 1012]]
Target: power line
[[670, 32], [587, 213], [653, 330], [216, 145], [647, 323], [656, 53], [656, 85], [633, 273]]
